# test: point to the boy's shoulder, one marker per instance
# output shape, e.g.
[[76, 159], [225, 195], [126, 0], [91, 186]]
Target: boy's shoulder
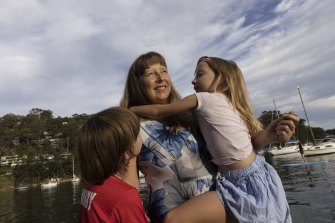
[[113, 187]]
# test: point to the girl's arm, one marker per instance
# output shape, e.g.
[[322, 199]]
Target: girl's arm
[[159, 111]]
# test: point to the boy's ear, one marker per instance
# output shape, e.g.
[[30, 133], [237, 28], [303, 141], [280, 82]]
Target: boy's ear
[[126, 155]]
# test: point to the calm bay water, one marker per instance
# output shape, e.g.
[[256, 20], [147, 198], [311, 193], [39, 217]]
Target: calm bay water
[[311, 195], [58, 204]]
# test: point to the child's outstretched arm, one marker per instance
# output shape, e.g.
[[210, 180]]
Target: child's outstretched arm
[[159, 111], [279, 130]]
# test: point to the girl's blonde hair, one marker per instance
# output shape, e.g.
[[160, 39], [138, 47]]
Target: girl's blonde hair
[[229, 81]]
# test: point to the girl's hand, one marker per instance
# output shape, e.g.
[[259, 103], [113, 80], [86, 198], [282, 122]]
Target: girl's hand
[[279, 130], [283, 128]]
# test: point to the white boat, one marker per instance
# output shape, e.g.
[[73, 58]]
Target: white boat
[[141, 178], [51, 183], [143, 185], [20, 188], [290, 147], [323, 146], [74, 179]]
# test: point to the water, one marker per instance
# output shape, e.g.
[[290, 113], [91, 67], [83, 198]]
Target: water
[[311, 195], [57, 204]]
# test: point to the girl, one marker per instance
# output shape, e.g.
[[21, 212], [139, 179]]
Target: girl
[[247, 188], [108, 145]]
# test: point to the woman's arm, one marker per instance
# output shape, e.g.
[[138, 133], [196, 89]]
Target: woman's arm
[[159, 111], [279, 130]]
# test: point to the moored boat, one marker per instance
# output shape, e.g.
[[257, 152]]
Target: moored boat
[[74, 179], [20, 188], [141, 178], [51, 183], [290, 147], [323, 146]]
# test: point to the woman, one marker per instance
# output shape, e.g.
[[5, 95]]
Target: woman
[[173, 157]]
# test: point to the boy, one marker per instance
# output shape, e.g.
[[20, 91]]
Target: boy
[[109, 143]]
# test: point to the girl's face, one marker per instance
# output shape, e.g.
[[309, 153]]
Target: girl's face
[[204, 78], [157, 83]]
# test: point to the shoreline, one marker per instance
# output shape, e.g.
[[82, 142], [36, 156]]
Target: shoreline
[[25, 187]]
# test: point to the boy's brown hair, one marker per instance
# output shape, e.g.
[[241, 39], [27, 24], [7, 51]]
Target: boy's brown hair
[[103, 141]]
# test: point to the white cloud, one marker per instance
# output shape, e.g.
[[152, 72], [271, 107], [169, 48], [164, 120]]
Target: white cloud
[[73, 56], [284, 5]]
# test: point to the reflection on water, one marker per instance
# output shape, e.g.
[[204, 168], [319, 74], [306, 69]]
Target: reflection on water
[[76, 190], [310, 192], [310, 195], [55, 204]]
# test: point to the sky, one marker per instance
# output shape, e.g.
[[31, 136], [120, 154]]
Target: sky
[[73, 56]]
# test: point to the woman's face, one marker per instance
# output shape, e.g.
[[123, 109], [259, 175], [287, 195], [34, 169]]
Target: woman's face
[[156, 83]]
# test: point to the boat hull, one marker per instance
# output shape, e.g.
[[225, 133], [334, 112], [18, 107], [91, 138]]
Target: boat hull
[[49, 185], [279, 152], [315, 152], [326, 146], [291, 147]]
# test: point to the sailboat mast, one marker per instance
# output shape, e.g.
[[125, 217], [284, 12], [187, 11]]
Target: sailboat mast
[[73, 167], [277, 113], [310, 129]]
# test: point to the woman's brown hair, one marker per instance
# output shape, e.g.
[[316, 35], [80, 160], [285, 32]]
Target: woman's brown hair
[[134, 94], [103, 141]]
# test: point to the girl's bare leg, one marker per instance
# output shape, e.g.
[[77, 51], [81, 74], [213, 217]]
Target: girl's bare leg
[[205, 208]]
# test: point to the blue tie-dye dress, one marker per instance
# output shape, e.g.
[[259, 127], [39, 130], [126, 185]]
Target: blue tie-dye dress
[[173, 165]]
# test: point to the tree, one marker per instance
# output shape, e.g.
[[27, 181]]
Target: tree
[[8, 126], [330, 132], [318, 132], [268, 116]]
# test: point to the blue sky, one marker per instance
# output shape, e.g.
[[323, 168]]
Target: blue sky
[[72, 56]]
